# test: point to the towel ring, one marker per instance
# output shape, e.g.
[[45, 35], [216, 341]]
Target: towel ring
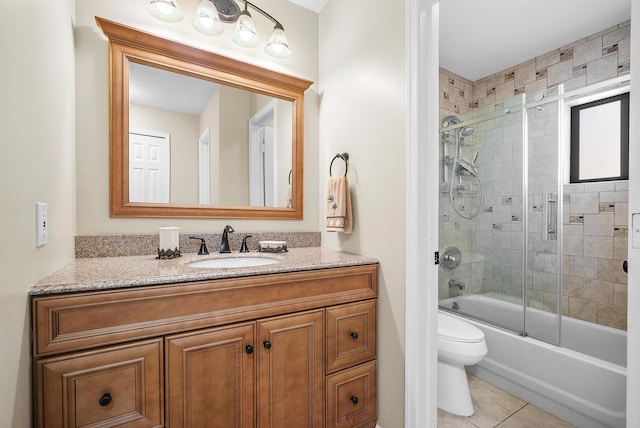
[[345, 157], [290, 171]]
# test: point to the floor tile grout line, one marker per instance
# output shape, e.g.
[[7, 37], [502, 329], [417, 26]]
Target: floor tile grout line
[[512, 415]]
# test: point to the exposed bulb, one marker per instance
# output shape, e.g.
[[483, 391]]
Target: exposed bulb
[[245, 32], [164, 10], [206, 20], [278, 45]]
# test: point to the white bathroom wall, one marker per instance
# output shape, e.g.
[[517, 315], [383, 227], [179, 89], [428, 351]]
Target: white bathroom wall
[[93, 116], [362, 112], [37, 119]]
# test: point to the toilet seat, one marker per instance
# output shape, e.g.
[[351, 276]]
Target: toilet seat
[[456, 330]]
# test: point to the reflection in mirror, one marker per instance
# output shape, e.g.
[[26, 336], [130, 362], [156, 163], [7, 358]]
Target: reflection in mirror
[[193, 141], [196, 134]]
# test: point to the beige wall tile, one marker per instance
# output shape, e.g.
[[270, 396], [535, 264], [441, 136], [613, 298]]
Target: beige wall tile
[[587, 52], [620, 294], [583, 267], [573, 245], [598, 246], [559, 72], [611, 270], [598, 224], [583, 309], [621, 214], [599, 291], [620, 248], [602, 69], [612, 316], [585, 203]]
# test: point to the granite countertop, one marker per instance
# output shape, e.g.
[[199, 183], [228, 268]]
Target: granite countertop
[[102, 273]]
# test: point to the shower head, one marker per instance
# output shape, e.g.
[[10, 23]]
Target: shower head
[[450, 120], [466, 131]]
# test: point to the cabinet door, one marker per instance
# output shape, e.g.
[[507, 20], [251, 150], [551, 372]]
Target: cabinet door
[[211, 378], [118, 386], [290, 371]]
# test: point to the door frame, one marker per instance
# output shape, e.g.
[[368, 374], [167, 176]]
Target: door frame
[[421, 300], [262, 177]]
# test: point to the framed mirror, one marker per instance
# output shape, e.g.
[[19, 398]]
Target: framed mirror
[[196, 134]]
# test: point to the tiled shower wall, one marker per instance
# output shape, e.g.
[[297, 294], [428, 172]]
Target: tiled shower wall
[[595, 217]]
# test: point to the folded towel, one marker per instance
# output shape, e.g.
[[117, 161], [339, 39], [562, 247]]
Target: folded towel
[[339, 216]]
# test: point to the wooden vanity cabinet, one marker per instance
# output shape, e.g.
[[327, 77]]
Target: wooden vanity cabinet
[[301, 355]]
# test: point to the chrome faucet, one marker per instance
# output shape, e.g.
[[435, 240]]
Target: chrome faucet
[[224, 245], [453, 283]]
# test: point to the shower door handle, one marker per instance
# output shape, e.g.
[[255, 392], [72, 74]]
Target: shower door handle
[[550, 216]]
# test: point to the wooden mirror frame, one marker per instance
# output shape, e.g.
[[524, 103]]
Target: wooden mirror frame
[[127, 45]]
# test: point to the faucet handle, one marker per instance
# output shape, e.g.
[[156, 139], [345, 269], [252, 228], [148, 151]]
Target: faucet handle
[[243, 247], [203, 246]]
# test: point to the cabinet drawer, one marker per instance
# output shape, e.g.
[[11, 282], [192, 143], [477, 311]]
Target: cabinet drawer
[[351, 335], [116, 386], [351, 397]]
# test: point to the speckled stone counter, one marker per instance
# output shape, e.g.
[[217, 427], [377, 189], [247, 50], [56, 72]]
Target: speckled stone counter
[[88, 274]]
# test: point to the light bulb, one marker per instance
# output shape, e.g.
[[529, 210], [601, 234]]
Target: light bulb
[[245, 32], [206, 20], [278, 45], [164, 10]]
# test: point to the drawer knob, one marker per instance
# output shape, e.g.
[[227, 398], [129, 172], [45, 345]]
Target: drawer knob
[[249, 349], [266, 344], [354, 335], [354, 399], [105, 400]]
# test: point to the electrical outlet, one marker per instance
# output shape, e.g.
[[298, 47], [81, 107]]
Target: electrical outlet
[[42, 226]]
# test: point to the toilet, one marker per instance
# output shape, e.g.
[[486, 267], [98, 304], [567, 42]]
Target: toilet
[[459, 344]]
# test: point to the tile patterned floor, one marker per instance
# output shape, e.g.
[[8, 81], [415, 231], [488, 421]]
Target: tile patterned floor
[[495, 408]]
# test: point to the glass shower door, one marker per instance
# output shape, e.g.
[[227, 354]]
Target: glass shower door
[[482, 214], [544, 240]]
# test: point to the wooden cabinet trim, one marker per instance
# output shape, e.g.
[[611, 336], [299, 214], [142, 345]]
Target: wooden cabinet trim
[[61, 321]]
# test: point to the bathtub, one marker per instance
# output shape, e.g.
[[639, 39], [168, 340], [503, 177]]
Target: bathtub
[[584, 385]]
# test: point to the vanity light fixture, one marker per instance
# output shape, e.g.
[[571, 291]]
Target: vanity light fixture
[[210, 14]]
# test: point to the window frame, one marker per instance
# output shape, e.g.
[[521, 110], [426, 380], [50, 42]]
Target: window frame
[[574, 165]]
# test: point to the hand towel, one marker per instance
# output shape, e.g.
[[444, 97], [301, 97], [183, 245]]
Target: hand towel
[[339, 215]]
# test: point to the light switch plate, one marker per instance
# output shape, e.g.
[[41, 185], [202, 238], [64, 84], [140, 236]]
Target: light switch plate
[[42, 226], [635, 230]]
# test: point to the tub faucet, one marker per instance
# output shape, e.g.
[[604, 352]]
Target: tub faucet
[[224, 245], [454, 283]]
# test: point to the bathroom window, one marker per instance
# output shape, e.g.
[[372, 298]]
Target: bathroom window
[[600, 140]]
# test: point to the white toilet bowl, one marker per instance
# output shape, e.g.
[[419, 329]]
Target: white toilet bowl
[[459, 344]]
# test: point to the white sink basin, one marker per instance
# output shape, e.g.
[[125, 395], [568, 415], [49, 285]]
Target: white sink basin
[[233, 262]]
